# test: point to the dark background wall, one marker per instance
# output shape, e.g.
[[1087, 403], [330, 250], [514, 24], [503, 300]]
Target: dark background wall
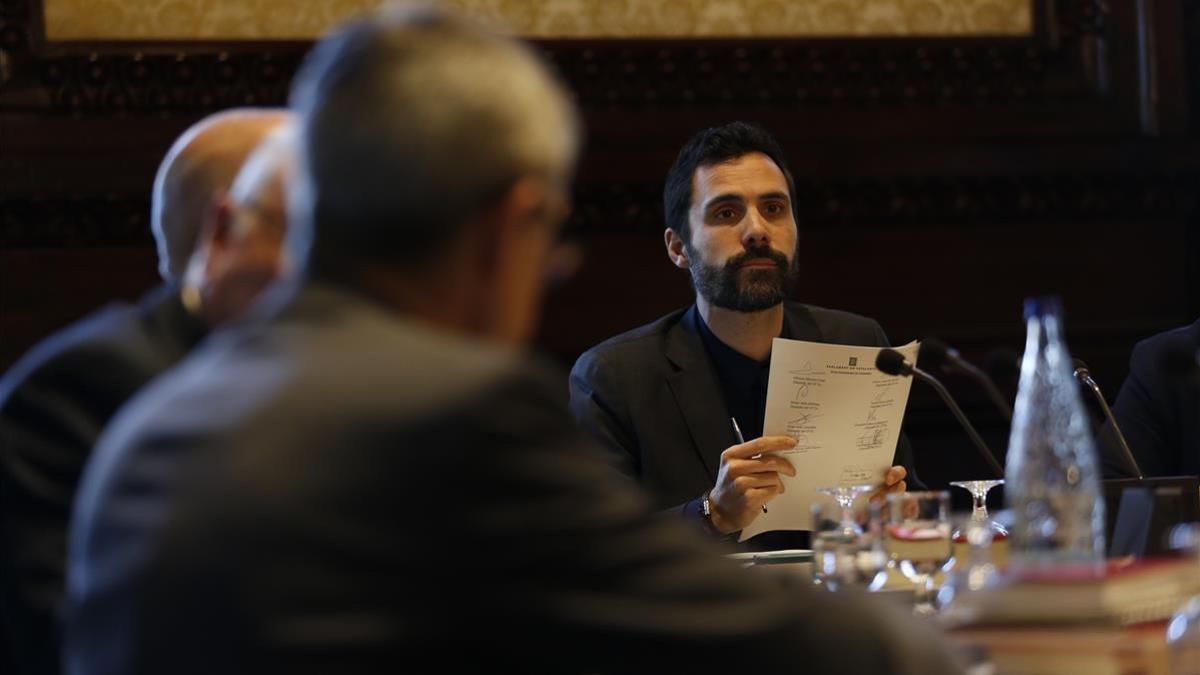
[[940, 181]]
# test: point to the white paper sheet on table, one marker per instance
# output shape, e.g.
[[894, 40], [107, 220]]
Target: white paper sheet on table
[[844, 414]]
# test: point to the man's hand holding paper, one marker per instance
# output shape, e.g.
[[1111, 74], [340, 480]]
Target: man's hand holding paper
[[845, 417], [893, 483], [749, 477]]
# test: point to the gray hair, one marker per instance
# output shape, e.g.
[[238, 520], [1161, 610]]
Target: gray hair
[[412, 121]]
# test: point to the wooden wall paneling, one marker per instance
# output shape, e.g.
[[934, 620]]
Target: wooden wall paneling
[[960, 174], [1064, 64]]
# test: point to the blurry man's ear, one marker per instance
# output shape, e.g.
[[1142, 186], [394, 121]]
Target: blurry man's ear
[[529, 201], [506, 250], [215, 225], [676, 251], [220, 221], [217, 232], [522, 206], [207, 253]]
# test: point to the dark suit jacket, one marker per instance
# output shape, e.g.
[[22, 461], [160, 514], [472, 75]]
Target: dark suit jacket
[[1158, 413], [652, 399], [342, 490], [53, 404]]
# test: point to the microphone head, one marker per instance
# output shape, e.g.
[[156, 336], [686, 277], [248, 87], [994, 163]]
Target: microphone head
[[1082, 374], [893, 362], [933, 353]]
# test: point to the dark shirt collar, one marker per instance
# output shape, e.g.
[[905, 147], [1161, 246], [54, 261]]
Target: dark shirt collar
[[743, 380]]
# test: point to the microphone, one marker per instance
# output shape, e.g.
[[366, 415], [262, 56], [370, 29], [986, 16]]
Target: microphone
[[893, 362], [1085, 378], [938, 353]]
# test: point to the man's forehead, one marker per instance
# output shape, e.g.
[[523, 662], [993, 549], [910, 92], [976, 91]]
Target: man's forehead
[[747, 175]]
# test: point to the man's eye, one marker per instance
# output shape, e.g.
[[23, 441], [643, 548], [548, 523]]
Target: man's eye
[[774, 208], [726, 214]]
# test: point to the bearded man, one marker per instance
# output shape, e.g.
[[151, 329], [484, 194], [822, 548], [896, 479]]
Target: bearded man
[[660, 397]]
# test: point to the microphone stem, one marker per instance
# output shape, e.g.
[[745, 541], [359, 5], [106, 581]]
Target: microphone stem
[[1112, 420], [962, 419], [989, 387]]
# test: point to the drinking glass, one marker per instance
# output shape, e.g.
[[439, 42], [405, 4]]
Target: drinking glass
[[847, 546], [917, 537], [973, 568], [845, 496], [979, 490], [979, 513], [1183, 630]]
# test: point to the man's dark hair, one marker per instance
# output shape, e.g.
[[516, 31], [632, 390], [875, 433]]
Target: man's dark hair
[[713, 146]]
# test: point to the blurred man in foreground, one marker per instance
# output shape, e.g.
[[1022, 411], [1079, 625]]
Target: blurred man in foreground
[[56, 400], [377, 478]]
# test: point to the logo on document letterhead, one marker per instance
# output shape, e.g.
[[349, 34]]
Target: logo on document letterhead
[[854, 360]]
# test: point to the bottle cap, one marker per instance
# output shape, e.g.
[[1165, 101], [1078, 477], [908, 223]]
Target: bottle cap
[[1048, 305]]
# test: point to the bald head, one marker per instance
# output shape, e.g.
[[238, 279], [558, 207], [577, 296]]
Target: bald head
[[199, 168]]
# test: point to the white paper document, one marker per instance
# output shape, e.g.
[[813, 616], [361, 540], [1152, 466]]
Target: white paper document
[[844, 414]]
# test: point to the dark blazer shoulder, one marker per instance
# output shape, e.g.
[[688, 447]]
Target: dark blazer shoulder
[[1156, 413], [838, 326], [118, 341], [1156, 346], [105, 332], [638, 338], [633, 352]]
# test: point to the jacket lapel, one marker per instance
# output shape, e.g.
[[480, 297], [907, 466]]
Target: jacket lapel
[[799, 324], [698, 393], [696, 389]]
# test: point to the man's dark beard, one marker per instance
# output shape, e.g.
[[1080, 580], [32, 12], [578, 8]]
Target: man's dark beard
[[760, 288]]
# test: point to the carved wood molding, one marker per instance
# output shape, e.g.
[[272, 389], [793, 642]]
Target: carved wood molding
[[1063, 60], [998, 81], [73, 221]]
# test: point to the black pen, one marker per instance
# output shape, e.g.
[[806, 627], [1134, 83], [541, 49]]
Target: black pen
[[741, 439]]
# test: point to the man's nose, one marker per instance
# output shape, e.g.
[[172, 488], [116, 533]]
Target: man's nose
[[755, 233]]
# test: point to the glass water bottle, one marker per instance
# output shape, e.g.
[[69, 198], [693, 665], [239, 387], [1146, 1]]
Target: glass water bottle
[[1052, 477]]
